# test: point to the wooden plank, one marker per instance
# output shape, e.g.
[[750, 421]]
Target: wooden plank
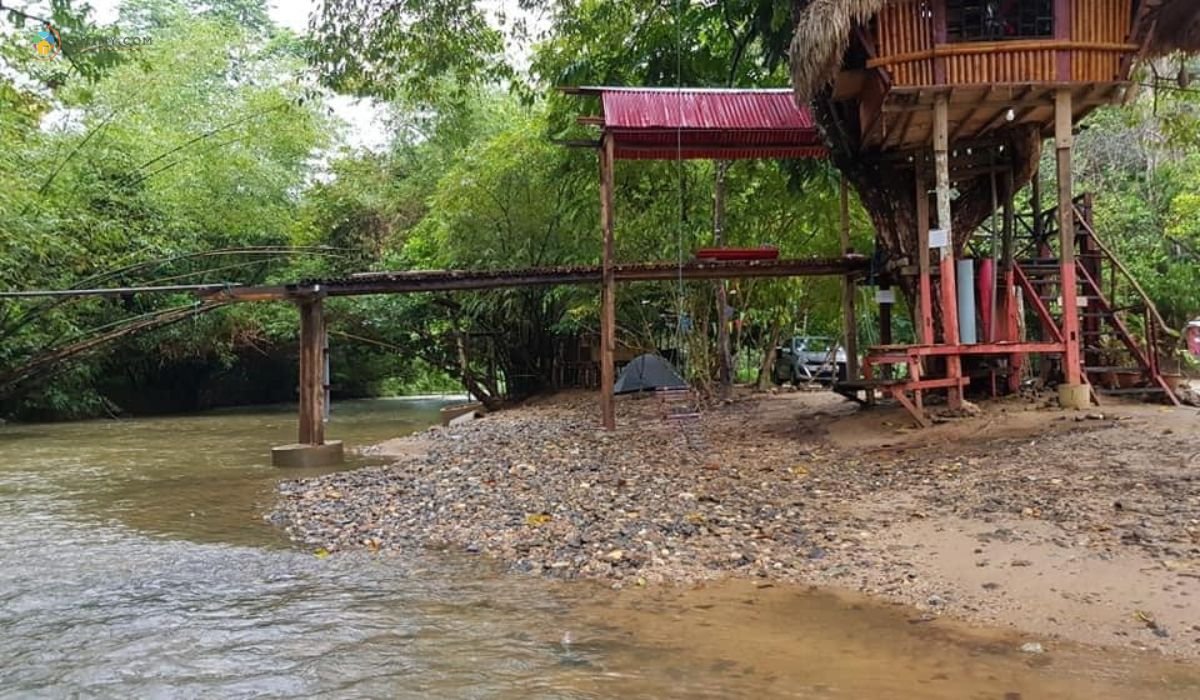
[[971, 114], [608, 290], [420, 281]]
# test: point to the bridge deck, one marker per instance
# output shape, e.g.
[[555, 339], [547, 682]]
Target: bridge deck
[[406, 282]]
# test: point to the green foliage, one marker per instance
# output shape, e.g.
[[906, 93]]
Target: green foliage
[[1143, 165], [200, 142], [206, 155], [406, 48]]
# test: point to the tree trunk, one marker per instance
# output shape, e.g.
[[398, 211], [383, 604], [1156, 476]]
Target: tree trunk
[[767, 369], [885, 187]]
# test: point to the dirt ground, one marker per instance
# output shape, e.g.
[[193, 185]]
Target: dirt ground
[[1075, 525], [1082, 526]]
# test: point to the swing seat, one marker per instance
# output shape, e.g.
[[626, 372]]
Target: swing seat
[[725, 254], [676, 403]]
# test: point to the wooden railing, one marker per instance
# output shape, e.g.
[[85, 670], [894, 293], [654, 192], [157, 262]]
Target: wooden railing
[[911, 44], [1005, 62], [902, 29]]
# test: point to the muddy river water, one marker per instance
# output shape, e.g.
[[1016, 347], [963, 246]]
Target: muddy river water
[[134, 562]]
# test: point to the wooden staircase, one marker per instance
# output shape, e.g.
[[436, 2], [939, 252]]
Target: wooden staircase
[[1116, 358], [1119, 331]]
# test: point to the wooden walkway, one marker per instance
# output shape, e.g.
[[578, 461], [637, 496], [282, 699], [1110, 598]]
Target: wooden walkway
[[408, 282]]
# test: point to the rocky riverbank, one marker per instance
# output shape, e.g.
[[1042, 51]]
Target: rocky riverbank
[[1080, 526]]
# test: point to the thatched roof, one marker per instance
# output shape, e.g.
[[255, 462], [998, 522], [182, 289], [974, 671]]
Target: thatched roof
[[823, 29], [1167, 26]]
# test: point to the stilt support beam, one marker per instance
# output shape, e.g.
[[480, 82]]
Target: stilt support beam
[[608, 291], [312, 372], [849, 316], [1070, 396], [949, 291], [1009, 320], [925, 285], [311, 450]]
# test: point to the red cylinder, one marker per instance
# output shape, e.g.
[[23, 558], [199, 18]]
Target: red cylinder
[[986, 281]]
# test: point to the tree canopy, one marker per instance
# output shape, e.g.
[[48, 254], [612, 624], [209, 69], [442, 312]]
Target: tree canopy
[[199, 141]]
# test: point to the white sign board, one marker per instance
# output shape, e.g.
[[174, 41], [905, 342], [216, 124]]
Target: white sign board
[[885, 296], [938, 239]]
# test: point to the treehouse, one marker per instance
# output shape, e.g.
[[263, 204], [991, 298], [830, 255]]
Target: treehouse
[[940, 107], [996, 64]]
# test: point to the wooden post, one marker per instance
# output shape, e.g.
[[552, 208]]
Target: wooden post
[[1064, 141], [1062, 32], [925, 285], [941, 152], [312, 371], [885, 317], [1035, 201], [849, 319], [1009, 231], [940, 37], [1008, 320], [885, 324], [725, 371], [608, 290]]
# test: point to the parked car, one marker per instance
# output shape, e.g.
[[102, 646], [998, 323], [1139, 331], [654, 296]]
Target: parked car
[[808, 359]]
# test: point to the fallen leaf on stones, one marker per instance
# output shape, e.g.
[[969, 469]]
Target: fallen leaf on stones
[[537, 519]]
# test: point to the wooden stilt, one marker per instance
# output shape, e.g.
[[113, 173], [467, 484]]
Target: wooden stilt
[[885, 317], [312, 371], [1008, 318], [925, 285], [725, 370], [849, 319], [941, 151], [608, 291], [1064, 142]]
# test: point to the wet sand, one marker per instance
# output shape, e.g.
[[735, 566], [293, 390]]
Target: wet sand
[[1081, 527]]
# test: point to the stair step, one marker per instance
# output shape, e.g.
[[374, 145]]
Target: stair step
[[1135, 391], [1122, 370]]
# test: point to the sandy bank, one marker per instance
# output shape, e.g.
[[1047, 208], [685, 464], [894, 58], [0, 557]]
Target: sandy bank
[[1060, 525]]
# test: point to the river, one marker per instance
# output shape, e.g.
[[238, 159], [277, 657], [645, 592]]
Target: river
[[134, 562]]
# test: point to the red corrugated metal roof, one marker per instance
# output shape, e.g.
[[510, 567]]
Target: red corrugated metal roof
[[669, 123]]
